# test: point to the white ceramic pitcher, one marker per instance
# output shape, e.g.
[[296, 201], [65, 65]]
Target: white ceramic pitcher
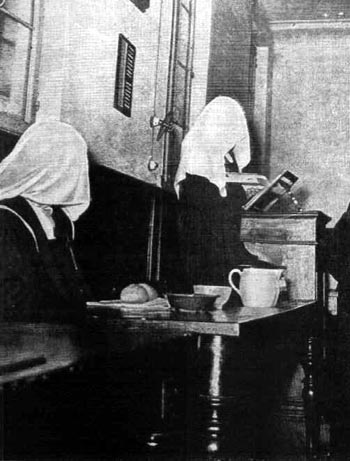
[[258, 287]]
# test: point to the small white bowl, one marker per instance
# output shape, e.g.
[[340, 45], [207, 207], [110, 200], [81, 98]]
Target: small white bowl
[[223, 293]]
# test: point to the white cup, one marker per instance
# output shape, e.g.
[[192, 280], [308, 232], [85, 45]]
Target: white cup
[[223, 293]]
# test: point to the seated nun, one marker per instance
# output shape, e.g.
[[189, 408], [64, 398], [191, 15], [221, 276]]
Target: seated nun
[[210, 207], [44, 188]]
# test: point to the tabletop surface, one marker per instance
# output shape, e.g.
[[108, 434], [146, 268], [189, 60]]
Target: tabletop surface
[[220, 322], [31, 350]]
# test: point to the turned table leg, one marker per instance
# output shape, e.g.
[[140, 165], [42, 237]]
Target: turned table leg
[[214, 400], [310, 397], [223, 395]]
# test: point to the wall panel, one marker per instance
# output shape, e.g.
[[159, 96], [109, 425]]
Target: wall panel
[[310, 101]]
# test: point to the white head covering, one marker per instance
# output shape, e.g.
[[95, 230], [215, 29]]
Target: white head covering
[[220, 127], [48, 166]]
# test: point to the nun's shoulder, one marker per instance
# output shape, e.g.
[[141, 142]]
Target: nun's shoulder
[[9, 224], [16, 204], [13, 214]]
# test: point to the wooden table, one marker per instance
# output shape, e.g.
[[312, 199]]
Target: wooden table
[[213, 350], [229, 322], [210, 373]]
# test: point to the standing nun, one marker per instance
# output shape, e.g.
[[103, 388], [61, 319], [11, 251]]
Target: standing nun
[[44, 188], [210, 207]]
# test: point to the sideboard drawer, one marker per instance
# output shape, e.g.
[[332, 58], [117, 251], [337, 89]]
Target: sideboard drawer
[[299, 228], [288, 240]]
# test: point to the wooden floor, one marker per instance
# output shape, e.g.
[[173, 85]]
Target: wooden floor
[[285, 434], [86, 417]]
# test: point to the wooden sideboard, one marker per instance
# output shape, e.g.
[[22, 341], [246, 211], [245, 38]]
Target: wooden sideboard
[[290, 240]]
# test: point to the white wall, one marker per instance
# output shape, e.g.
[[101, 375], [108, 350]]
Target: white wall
[[79, 56], [309, 123], [201, 57]]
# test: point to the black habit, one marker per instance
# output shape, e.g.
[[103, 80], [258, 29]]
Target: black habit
[[39, 280], [209, 228]]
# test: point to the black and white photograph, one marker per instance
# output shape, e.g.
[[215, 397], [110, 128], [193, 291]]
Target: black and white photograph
[[174, 230]]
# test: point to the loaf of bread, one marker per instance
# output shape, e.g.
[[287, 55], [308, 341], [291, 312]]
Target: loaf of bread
[[138, 293], [152, 293]]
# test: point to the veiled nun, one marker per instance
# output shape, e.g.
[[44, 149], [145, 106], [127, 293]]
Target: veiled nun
[[210, 207], [44, 188]]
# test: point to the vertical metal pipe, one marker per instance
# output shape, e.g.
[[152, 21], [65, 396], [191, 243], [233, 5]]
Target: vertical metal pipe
[[189, 63], [151, 227], [28, 62], [160, 209], [170, 85]]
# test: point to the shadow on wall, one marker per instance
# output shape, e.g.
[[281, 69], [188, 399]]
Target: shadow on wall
[[255, 165], [112, 236]]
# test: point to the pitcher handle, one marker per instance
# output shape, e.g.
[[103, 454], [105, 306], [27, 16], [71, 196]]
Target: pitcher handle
[[234, 271]]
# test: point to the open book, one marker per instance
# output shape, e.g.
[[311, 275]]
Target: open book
[[271, 193]]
